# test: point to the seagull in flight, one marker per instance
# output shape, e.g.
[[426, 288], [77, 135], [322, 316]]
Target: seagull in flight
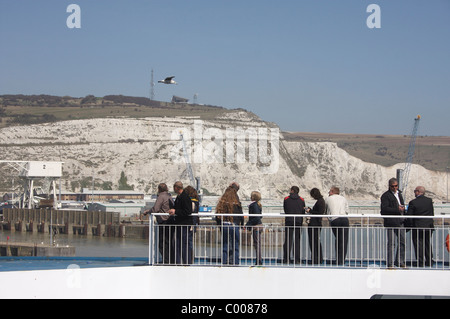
[[168, 80]]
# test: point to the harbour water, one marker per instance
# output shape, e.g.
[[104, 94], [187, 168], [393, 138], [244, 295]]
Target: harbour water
[[85, 246]]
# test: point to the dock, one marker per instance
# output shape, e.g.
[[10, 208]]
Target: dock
[[10, 249], [77, 222]]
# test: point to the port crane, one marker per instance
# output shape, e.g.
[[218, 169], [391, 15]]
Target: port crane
[[195, 182], [403, 175]]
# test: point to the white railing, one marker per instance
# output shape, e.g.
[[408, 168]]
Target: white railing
[[364, 243]]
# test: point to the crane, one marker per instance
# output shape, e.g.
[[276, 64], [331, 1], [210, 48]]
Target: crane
[[404, 174], [187, 160], [195, 182]]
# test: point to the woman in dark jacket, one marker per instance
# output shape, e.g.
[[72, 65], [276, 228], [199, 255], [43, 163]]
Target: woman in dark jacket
[[254, 223], [315, 226]]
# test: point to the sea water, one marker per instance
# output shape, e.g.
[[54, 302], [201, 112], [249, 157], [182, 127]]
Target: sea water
[[85, 246]]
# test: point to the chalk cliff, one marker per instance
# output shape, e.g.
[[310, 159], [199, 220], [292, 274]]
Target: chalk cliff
[[236, 146]]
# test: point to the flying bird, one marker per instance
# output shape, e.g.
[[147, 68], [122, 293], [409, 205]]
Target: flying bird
[[168, 80]]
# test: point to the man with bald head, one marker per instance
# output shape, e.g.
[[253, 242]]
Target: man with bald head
[[422, 227]]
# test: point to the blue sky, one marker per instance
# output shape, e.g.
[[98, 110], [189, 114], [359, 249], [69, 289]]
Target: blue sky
[[307, 65]]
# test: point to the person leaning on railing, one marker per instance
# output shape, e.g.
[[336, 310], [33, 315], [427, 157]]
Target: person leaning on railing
[[163, 204]]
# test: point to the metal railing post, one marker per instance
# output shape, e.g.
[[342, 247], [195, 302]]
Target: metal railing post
[[150, 240]]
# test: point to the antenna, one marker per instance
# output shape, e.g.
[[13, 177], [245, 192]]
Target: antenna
[[152, 88]]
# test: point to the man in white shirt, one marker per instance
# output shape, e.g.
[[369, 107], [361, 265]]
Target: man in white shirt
[[336, 204]]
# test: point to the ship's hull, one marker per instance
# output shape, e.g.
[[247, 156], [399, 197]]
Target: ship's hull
[[192, 282]]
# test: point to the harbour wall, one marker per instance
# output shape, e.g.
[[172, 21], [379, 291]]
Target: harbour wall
[[33, 249], [78, 222]]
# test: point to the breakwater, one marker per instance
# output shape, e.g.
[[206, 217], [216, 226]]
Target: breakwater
[[35, 250], [79, 222]]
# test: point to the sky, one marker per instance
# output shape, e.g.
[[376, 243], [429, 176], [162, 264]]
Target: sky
[[306, 65]]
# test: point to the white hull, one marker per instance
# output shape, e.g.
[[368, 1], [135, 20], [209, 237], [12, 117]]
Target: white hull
[[162, 282]]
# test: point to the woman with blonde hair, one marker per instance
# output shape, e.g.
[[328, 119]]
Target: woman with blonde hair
[[255, 224]]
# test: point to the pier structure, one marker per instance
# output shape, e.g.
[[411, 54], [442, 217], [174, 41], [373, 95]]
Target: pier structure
[[79, 222], [14, 249]]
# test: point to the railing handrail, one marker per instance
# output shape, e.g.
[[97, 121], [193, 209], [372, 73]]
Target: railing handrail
[[278, 245], [368, 206], [283, 215]]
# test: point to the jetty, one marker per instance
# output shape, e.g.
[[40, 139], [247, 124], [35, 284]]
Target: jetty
[[79, 222], [14, 249]]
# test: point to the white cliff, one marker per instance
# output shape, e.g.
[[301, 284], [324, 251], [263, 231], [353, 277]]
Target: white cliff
[[238, 146]]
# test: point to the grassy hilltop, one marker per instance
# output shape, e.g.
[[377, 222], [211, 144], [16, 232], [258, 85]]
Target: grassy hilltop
[[33, 109]]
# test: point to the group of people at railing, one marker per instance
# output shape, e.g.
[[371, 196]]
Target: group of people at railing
[[176, 224], [175, 235]]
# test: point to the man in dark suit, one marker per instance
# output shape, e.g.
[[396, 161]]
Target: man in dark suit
[[422, 227], [293, 204], [392, 204], [182, 211]]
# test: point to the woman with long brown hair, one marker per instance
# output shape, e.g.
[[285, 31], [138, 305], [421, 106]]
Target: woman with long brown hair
[[229, 204]]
